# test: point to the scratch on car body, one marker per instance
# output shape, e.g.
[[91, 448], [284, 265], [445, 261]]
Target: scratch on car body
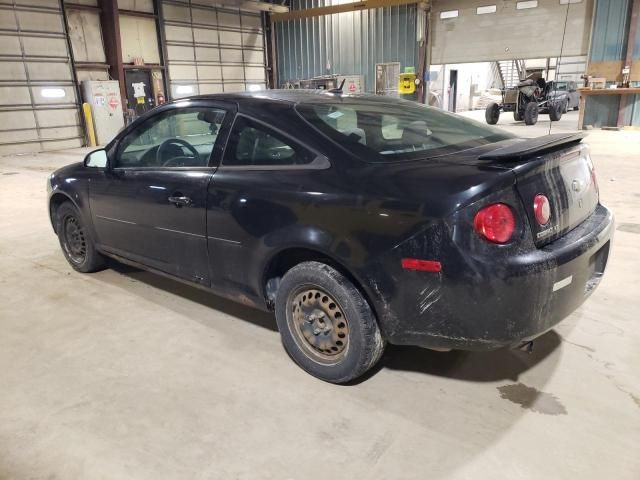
[[428, 296]]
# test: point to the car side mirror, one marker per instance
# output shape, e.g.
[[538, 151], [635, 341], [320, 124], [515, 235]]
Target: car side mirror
[[97, 159]]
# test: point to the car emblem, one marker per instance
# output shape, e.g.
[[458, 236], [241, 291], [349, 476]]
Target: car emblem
[[576, 185]]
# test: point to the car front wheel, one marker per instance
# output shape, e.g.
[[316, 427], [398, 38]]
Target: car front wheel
[[326, 325], [492, 113], [76, 241]]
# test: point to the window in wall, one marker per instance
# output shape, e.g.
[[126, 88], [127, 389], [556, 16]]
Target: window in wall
[[253, 144], [486, 9], [448, 14], [527, 4], [174, 138]]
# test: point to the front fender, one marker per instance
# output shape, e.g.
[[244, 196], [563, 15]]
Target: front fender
[[70, 184]]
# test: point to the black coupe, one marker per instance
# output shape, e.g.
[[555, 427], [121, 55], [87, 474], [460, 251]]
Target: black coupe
[[360, 220]]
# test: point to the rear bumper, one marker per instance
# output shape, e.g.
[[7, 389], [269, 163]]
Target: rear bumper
[[483, 305]]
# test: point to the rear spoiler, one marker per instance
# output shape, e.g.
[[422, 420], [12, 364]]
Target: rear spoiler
[[529, 147]]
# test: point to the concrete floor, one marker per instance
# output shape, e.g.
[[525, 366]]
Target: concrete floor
[[125, 375]]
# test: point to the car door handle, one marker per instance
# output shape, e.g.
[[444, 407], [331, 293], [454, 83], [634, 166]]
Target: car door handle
[[180, 201]]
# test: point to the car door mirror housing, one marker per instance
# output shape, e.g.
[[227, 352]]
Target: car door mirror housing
[[97, 159]]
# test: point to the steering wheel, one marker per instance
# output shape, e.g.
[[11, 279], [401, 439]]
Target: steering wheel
[[171, 162]]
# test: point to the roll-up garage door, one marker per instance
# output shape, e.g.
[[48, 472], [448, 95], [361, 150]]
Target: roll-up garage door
[[466, 31], [212, 50], [38, 104]]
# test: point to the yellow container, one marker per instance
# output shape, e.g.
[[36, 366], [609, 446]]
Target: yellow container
[[407, 84]]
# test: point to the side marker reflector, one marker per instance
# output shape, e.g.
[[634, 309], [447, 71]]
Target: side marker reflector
[[421, 265]]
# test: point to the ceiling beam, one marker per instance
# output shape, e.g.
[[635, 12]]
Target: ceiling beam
[[255, 5], [345, 7]]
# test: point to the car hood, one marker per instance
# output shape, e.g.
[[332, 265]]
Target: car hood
[[557, 94], [71, 169]]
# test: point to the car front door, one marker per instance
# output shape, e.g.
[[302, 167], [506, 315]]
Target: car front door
[[150, 204], [574, 95]]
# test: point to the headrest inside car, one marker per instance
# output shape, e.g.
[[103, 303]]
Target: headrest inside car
[[211, 116]]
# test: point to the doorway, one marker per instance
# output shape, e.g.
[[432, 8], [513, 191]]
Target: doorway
[[453, 89], [139, 92]]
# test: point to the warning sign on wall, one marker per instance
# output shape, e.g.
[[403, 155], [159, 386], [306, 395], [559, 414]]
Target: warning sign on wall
[[113, 102]]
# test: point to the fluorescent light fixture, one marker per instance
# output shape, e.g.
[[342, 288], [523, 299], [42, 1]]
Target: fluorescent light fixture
[[525, 5], [184, 89], [565, 2], [53, 92], [449, 14], [486, 9], [254, 87]]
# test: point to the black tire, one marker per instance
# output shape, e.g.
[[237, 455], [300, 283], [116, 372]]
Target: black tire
[[518, 116], [492, 113], [326, 325], [531, 113], [76, 241], [556, 110]]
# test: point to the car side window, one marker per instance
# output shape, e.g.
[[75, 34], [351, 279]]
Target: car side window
[[174, 138], [254, 144]]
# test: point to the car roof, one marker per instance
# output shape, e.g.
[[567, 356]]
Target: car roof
[[291, 96]]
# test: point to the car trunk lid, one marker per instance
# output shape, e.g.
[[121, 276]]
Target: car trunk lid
[[556, 166]]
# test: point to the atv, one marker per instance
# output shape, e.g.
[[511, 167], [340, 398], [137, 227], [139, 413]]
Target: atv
[[529, 98]]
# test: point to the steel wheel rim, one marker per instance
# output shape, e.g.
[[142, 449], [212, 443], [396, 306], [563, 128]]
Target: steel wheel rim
[[75, 242], [318, 324]]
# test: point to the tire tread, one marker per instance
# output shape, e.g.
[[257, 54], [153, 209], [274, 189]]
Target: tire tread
[[373, 345]]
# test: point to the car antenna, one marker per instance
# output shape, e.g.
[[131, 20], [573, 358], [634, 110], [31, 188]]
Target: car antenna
[[559, 60], [339, 89]]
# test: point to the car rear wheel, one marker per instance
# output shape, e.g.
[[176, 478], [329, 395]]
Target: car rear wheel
[[531, 113], [326, 325], [76, 241], [492, 113]]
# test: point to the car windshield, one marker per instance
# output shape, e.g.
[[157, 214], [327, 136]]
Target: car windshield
[[560, 86], [389, 130]]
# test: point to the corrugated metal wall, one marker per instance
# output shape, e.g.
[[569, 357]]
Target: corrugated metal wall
[[345, 43], [608, 43], [610, 30]]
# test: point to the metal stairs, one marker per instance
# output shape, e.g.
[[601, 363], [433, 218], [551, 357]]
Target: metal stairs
[[511, 71]]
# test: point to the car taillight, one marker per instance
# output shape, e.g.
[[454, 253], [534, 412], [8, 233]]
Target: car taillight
[[541, 209], [495, 223]]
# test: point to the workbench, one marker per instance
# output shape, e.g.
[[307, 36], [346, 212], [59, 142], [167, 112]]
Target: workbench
[[585, 92]]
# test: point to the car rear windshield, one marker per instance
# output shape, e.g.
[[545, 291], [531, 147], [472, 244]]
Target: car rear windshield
[[390, 130]]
